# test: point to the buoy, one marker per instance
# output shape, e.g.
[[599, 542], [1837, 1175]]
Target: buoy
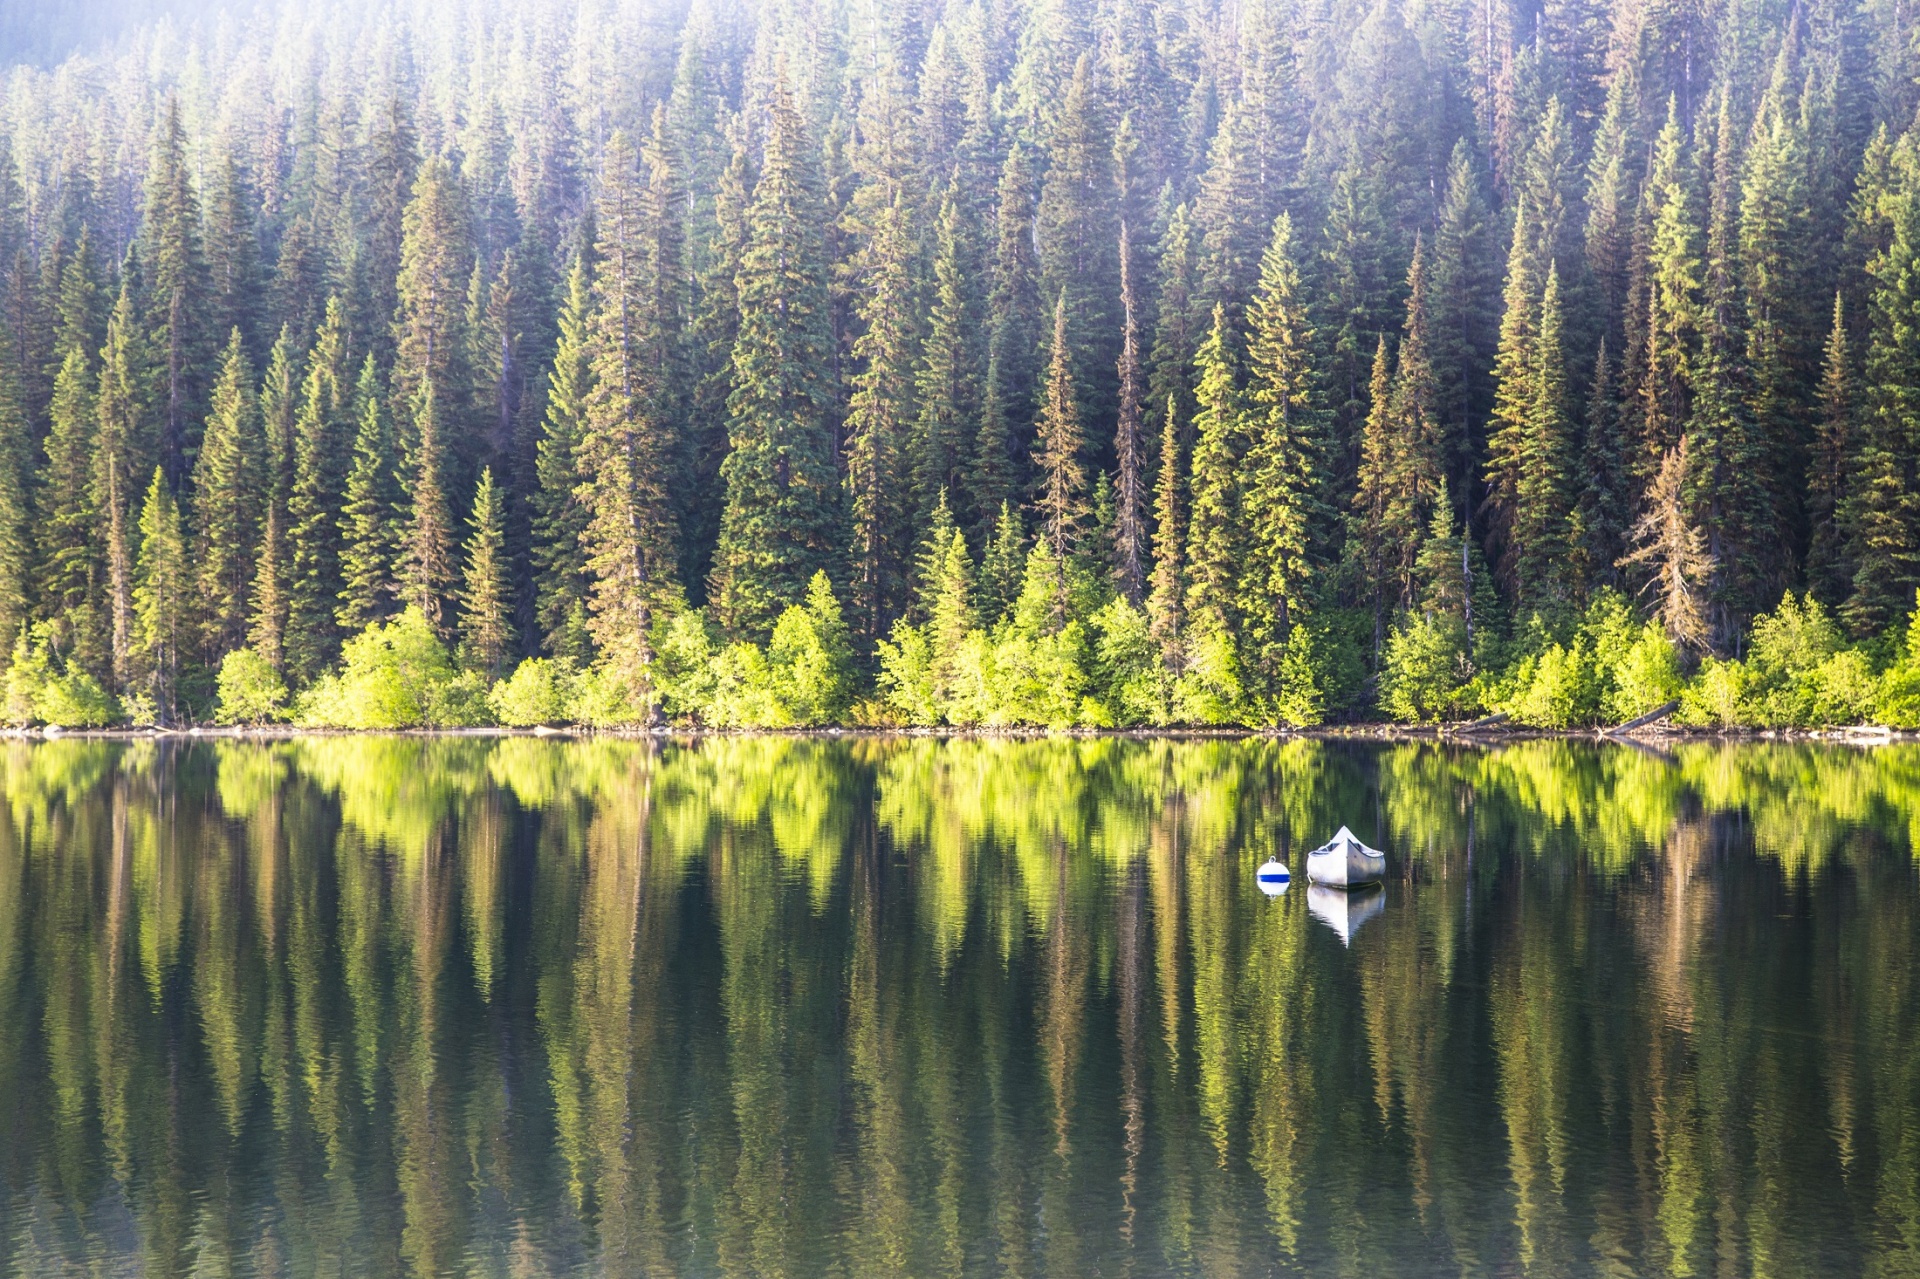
[[1273, 878]]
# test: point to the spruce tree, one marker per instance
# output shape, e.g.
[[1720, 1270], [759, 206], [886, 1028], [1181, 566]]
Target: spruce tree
[[1075, 231], [1664, 383], [321, 449], [228, 481], [1215, 529], [1167, 598], [160, 599], [1829, 576], [1060, 503], [1002, 565], [1605, 482], [1179, 327], [16, 530], [279, 392], [367, 513], [559, 515], [435, 271], [425, 567], [122, 451], [69, 531], [878, 419], [180, 305], [1014, 335], [946, 379], [782, 518], [1284, 459], [623, 452], [1129, 439], [486, 622]]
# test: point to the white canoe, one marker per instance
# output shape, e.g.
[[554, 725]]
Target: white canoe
[[1343, 862], [1343, 910]]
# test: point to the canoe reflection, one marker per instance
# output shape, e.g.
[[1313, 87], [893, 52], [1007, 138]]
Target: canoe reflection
[[1345, 909]]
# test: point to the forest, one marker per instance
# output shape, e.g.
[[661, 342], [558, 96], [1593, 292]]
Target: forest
[[1070, 363]]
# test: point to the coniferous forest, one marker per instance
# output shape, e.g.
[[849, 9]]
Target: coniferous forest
[[977, 362]]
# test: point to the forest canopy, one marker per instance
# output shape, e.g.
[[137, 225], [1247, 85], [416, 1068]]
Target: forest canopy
[[977, 362]]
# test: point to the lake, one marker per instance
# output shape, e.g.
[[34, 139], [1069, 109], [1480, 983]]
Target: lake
[[875, 1006]]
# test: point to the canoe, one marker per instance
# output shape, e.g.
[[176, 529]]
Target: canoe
[[1273, 878], [1344, 910], [1343, 862]]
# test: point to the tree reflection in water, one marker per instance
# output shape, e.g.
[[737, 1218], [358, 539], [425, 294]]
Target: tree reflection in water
[[781, 1006]]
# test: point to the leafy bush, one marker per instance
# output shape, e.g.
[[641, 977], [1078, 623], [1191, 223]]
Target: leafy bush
[[541, 690], [1208, 690], [1798, 673], [1425, 674], [395, 676], [42, 688], [250, 690]]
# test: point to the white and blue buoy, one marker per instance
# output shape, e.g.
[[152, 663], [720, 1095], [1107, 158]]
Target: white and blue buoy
[[1273, 878]]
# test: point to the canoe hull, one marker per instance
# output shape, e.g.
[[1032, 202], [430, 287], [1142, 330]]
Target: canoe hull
[[1345, 862]]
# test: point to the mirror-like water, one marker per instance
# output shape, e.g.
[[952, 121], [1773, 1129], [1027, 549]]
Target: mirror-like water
[[362, 1006]]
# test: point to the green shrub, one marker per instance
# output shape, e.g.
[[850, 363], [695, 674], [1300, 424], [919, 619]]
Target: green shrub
[[1897, 703], [540, 691], [250, 690], [1132, 681], [1645, 676], [395, 676], [1208, 690], [42, 688], [906, 676], [1425, 674], [1798, 673]]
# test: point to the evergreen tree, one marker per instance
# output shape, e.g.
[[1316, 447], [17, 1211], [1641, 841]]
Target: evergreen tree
[[278, 394], [16, 530], [1462, 291], [180, 305], [320, 453], [1061, 501], [1013, 334], [1129, 442], [781, 520], [623, 453], [559, 515], [1075, 232], [1166, 601], [1529, 472], [1829, 575], [1664, 382], [425, 565], [236, 297], [1283, 462], [430, 325], [486, 623], [1605, 482], [1179, 327], [159, 602], [122, 450], [366, 514], [228, 483], [948, 371], [1671, 553], [1215, 529], [70, 544], [878, 418], [1002, 566]]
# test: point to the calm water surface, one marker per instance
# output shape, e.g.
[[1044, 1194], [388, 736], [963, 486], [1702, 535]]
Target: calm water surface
[[765, 1006]]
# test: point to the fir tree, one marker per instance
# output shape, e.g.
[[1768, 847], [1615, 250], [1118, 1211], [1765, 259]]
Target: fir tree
[[425, 565], [16, 537], [878, 418], [228, 481], [1829, 575], [161, 586], [1673, 299], [1215, 530], [435, 270], [948, 371], [70, 524], [1061, 501], [1167, 598], [559, 516], [1002, 565], [121, 452], [486, 624], [179, 304], [1129, 443], [278, 393], [1605, 482], [366, 515], [320, 453], [1283, 461], [781, 520], [1179, 328]]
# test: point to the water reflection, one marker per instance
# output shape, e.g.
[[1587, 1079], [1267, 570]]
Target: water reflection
[[789, 1007]]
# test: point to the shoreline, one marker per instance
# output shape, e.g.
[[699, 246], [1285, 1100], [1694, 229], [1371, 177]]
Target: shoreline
[[1649, 737]]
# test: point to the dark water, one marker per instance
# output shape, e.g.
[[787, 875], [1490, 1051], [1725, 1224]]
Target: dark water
[[864, 1007]]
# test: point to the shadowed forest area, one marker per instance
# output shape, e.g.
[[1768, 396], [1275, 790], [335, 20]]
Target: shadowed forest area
[[1057, 362]]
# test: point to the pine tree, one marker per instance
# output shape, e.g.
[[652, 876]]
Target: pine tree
[[1179, 327], [945, 380], [70, 544], [1283, 462], [1215, 528], [1606, 482], [1673, 553], [1061, 501], [1076, 234], [486, 624], [425, 565], [623, 453], [781, 521], [321, 444], [16, 537], [1129, 442], [1829, 575], [159, 602], [366, 514], [266, 630], [1166, 600], [227, 484], [122, 450], [878, 418], [436, 269], [179, 305], [1002, 565], [1462, 288], [237, 295], [559, 515], [1664, 383], [1013, 335]]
